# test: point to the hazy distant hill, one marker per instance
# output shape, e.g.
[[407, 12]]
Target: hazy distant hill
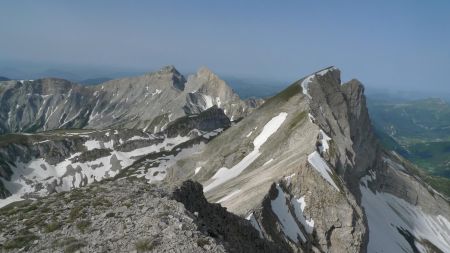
[[420, 127], [247, 88], [2, 78], [94, 81]]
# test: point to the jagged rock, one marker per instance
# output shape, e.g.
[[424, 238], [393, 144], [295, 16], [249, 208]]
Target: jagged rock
[[147, 102], [118, 216], [217, 222], [43, 163], [305, 169], [315, 138]]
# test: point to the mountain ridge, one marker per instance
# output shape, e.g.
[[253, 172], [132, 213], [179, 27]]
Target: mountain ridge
[[29, 106], [305, 168]]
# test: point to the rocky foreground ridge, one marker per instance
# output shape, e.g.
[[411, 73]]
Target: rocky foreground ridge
[[304, 169], [128, 216]]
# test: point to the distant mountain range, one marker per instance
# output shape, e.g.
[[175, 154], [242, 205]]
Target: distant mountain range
[[50, 103], [94, 81], [91, 168]]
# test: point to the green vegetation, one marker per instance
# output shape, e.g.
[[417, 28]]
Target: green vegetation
[[69, 244], [420, 132], [83, 225], [412, 121], [434, 156], [284, 95], [101, 202], [76, 212], [201, 242], [7, 139], [13, 207], [21, 241], [110, 215], [297, 119], [37, 220], [440, 184], [52, 226], [30, 208], [145, 245]]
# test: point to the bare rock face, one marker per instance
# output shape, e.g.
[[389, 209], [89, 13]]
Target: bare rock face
[[304, 169], [303, 166], [283, 168], [219, 223], [147, 102], [207, 89], [38, 164]]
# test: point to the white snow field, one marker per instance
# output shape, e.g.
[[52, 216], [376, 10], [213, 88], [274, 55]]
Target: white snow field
[[321, 166], [255, 224], [29, 177], [387, 214], [323, 139], [286, 218], [305, 83], [224, 174], [299, 206]]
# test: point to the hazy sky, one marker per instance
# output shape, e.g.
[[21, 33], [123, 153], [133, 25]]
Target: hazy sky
[[397, 44]]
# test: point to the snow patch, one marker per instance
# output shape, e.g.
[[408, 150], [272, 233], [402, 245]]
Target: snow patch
[[325, 71], [134, 138], [311, 118], [197, 170], [218, 102], [156, 92], [30, 177], [321, 166], [299, 206], [386, 214], [285, 217], [307, 81], [229, 196], [92, 144], [213, 133], [270, 160], [255, 223], [305, 85], [159, 172], [323, 140], [224, 174]]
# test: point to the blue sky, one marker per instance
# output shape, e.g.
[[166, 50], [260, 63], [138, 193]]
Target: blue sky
[[400, 45]]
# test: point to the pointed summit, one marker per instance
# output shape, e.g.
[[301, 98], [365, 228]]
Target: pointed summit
[[169, 69], [177, 78], [207, 74]]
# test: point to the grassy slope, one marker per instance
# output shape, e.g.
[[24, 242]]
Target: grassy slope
[[419, 131], [421, 128]]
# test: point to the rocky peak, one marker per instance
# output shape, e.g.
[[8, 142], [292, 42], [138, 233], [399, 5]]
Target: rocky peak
[[178, 79], [207, 74], [168, 69], [205, 81], [340, 110]]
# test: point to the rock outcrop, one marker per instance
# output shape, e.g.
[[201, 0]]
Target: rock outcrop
[[298, 168], [304, 169], [148, 102], [127, 216], [38, 164]]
